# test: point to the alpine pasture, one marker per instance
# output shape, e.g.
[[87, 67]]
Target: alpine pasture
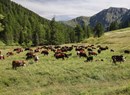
[[72, 76]]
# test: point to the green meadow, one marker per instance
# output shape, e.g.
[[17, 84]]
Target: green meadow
[[71, 76]]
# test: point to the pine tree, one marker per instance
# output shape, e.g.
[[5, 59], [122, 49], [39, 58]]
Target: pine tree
[[113, 26], [1, 25], [79, 33], [53, 31], [99, 30], [89, 32]]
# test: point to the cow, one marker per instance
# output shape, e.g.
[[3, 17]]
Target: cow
[[89, 58], [2, 57], [81, 54], [92, 53], [111, 50], [17, 63], [60, 55], [99, 51], [36, 58], [89, 49], [28, 49], [37, 50], [127, 51], [45, 52], [9, 54], [103, 48], [117, 58], [30, 55], [18, 50]]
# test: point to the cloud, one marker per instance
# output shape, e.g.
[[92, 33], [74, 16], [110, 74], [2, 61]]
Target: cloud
[[70, 8]]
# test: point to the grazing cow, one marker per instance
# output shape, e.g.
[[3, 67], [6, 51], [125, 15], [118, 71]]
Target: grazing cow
[[30, 55], [17, 63], [117, 58], [2, 57], [92, 53], [79, 49], [89, 49], [18, 50], [45, 52], [36, 58], [103, 48], [9, 54], [89, 58], [112, 50], [99, 51], [37, 50], [81, 54], [126, 51], [60, 55], [28, 49]]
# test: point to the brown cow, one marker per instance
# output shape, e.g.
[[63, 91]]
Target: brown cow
[[45, 52], [18, 50], [60, 55], [2, 57], [92, 53], [9, 54], [17, 63], [81, 53]]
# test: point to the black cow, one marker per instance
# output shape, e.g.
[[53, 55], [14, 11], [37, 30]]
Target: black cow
[[117, 58], [89, 58], [127, 51], [99, 51], [30, 55]]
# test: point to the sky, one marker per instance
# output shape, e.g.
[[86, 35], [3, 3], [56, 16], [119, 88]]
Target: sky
[[64, 10]]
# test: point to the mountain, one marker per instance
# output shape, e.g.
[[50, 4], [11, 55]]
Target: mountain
[[106, 17], [79, 20], [125, 19]]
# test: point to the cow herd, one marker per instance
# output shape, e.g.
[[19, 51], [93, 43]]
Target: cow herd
[[61, 52]]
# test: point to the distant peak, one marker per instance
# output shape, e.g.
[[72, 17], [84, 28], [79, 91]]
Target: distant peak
[[117, 8]]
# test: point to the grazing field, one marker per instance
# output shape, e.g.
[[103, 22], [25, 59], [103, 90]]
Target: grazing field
[[72, 76]]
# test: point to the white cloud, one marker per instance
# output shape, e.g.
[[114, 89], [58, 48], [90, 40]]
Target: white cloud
[[70, 8]]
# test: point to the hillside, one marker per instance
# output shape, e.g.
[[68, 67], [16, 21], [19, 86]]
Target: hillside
[[119, 39], [24, 27], [125, 19], [77, 21], [72, 76]]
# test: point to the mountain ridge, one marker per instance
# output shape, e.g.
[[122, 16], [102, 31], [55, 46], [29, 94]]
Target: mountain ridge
[[105, 16]]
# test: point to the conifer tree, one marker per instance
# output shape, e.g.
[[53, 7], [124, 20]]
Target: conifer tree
[[79, 33], [113, 26], [98, 30]]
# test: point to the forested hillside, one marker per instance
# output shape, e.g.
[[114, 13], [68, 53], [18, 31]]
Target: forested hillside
[[24, 27]]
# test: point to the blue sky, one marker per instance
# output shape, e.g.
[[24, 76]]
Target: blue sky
[[68, 9]]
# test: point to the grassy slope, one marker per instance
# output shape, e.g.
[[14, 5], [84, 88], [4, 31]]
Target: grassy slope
[[72, 76]]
